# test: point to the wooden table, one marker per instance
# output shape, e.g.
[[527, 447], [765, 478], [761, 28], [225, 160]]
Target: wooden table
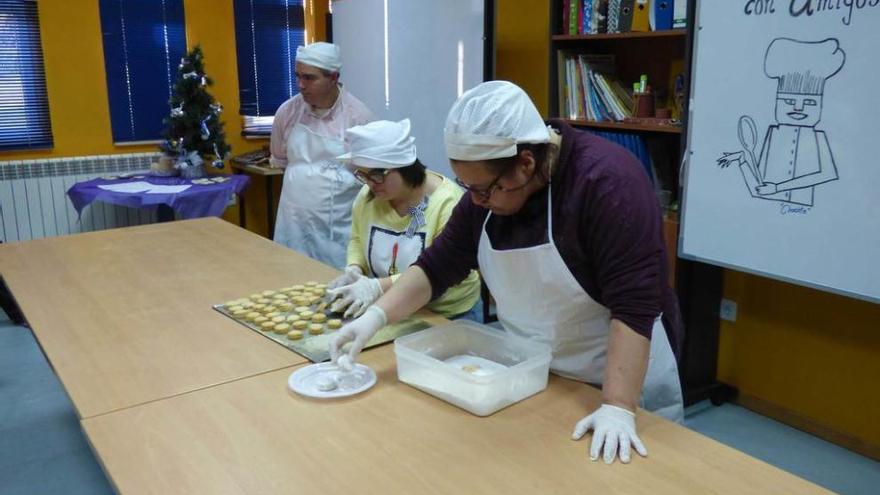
[[253, 436], [269, 174], [124, 316], [176, 398]]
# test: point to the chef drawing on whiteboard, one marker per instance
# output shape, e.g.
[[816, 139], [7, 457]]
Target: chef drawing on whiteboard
[[795, 156]]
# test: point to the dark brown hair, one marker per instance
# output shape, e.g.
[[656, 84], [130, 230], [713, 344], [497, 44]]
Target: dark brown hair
[[413, 176], [539, 152]]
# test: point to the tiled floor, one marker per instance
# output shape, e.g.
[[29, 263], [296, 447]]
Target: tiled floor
[[43, 450], [809, 457]]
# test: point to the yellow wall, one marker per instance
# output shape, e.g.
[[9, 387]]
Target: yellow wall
[[74, 62], [812, 356], [809, 352], [211, 23], [73, 54], [315, 19], [77, 90], [522, 33]]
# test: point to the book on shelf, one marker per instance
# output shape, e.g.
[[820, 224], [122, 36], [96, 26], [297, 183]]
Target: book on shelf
[[577, 16], [587, 11], [580, 17], [589, 90]]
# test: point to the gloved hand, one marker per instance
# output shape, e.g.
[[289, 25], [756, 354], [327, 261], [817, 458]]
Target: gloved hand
[[348, 277], [358, 332], [613, 427], [357, 296]]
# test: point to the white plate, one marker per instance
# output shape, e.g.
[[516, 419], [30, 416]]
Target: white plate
[[304, 380]]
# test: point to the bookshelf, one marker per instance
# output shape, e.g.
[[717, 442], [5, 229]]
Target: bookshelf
[[658, 54], [668, 33], [624, 126], [658, 57]]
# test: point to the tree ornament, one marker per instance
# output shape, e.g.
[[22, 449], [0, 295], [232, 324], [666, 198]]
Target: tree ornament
[[205, 132]]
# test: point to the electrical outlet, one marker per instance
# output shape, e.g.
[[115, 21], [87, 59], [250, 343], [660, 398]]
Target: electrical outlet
[[232, 201], [728, 310]]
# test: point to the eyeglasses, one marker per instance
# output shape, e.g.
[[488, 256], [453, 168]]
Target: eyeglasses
[[483, 192], [486, 192], [373, 175]]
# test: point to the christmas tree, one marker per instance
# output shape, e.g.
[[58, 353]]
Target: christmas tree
[[193, 130]]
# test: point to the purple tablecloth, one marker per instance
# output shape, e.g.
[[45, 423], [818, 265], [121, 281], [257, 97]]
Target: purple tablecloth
[[195, 202]]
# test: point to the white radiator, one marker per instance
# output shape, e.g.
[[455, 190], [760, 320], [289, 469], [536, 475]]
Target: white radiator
[[34, 202]]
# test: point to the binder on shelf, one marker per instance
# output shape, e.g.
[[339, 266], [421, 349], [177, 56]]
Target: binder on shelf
[[601, 14], [626, 15], [640, 16], [679, 14], [614, 16], [636, 145], [660, 15], [620, 16]]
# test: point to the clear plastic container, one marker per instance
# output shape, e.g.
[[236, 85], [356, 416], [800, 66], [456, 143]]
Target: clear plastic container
[[477, 368]]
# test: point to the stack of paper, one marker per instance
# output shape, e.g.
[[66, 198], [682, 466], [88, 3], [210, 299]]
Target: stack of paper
[[127, 187], [156, 189], [144, 187]]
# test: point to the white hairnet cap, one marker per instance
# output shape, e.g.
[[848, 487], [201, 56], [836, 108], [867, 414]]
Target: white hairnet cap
[[380, 144], [803, 66], [321, 55], [489, 120]]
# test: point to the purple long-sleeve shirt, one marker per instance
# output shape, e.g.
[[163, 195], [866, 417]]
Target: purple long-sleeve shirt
[[607, 226]]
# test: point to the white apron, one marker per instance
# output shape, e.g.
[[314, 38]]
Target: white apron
[[538, 298], [314, 212]]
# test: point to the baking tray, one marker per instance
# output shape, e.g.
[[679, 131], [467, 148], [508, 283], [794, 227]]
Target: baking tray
[[315, 348]]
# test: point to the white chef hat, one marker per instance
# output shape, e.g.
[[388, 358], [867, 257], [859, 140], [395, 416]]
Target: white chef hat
[[803, 66], [380, 144], [321, 55], [489, 120]]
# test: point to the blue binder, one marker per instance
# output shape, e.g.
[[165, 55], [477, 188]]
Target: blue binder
[[661, 14], [632, 142]]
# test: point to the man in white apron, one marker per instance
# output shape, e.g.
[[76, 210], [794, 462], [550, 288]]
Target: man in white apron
[[314, 211], [566, 230]]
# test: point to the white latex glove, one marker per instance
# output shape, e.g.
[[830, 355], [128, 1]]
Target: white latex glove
[[613, 427], [349, 276], [357, 296], [358, 332]]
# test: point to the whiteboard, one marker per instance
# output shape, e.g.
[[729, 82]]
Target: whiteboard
[[782, 173], [434, 52]]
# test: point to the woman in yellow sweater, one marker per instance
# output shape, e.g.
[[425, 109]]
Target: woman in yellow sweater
[[400, 210]]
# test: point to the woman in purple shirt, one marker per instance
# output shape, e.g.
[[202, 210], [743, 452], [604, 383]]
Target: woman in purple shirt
[[566, 231]]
